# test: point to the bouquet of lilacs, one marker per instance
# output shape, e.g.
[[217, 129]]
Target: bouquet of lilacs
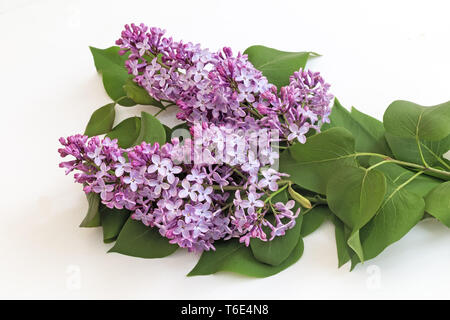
[[255, 165]]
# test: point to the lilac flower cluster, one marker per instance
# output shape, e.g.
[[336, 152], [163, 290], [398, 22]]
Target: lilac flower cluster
[[304, 104], [189, 202], [220, 88], [206, 86], [219, 183]]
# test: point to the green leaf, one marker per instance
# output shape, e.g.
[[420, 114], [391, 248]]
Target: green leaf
[[151, 130], [367, 131], [313, 219], [92, 218], [354, 242], [407, 149], [277, 66], [310, 165], [421, 185], [101, 120], [235, 257], [139, 94], [126, 132], [112, 67], [276, 251], [437, 203], [168, 132], [341, 235], [279, 249], [401, 210], [181, 126], [212, 261], [113, 221], [375, 130], [419, 134], [355, 194], [407, 119], [138, 240], [278, 197]]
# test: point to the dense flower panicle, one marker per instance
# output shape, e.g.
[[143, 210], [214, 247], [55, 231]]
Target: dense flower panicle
[[218, 87], [189, 202], [206, 86], [304, 104], [219, 182]]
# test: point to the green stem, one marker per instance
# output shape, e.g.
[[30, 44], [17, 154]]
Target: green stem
[[269, 198], [283, 182], [308, 210], [239, 173], [152, 56], [120, 99], [156, 114], [228, 188], [418, 142], [403, 184], [404, 163], [226, 207], [378, 164], [256, 114], [420, 151], [317, 200]]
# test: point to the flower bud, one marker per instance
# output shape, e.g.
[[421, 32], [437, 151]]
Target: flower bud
[[299, 198]]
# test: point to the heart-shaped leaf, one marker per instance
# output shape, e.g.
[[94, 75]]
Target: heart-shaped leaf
[[355, 194], [313, 219], [113, 221], [376, 141], [183, 125], [413, 150], [139, 94], [126, 132], [92, 218], [168, 132], [419, 134], [420, 185], [151, 130], [367, 131], [276, 251], [101, 120], [438, 203], [138, 240], [401, 210], [342, 234], [277, 66], [112, 67], [310, 165], [235, 257], [407, 119]]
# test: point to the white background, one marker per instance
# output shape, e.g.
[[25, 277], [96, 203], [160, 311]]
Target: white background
[[373, 53]]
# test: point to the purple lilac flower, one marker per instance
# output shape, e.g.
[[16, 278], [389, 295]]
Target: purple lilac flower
[[185, 207], [121, 167], [219, 95], [134, 179], [219, 88], [207, 86], [298, 133], [270, 177], [104, 189], [304, 104], [188, 190]]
